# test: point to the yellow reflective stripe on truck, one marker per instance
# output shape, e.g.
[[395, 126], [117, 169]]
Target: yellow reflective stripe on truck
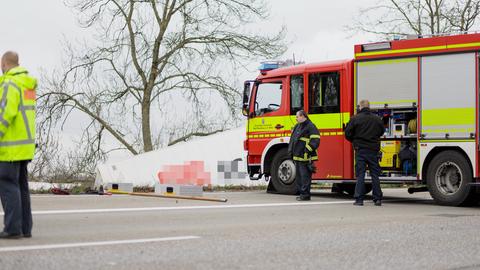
[[432, 48], [410, 101], [444, 141], [346, 117], [448, 117], [327, 120], [463, 45], [387, 62], [265, 126], [451, 129]]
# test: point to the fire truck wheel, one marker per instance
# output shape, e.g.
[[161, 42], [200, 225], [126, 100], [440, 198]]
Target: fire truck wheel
[[283, 173], [448, 179]]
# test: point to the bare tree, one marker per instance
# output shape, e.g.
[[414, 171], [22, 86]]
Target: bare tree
[[145, 52], [389, 18]]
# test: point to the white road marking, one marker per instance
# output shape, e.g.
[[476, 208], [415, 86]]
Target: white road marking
[[40, 196], [175, 208], [92, 244], [198, 207]]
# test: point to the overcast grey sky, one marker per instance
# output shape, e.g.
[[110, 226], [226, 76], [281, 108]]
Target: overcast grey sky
[[36, 29]]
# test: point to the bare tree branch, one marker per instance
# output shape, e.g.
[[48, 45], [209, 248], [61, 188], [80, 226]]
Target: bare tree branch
[[147, 53], [194, 134], [419, 17]]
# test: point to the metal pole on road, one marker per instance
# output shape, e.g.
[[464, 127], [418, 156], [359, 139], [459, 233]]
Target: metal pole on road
[[114, 191]]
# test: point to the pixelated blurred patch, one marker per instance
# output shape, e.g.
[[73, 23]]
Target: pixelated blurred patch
[[231, 169]]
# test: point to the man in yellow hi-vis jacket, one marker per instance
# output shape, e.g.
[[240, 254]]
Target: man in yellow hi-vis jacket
[[17, 145]]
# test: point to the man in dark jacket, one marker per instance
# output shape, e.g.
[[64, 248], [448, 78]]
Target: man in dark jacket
[[302, 148], [364, 131]]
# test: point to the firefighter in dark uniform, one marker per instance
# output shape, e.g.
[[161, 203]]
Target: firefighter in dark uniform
[[364, 131], [302, 148]]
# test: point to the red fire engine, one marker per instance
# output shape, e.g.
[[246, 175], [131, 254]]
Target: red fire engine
[[425, 90]]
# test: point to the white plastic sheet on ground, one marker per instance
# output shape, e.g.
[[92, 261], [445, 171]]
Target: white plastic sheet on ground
[[216, 160]]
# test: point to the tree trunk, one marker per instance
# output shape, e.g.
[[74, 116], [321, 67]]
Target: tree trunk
[[146, 131]]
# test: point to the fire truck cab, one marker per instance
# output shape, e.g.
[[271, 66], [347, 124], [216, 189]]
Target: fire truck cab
[[424, 89]]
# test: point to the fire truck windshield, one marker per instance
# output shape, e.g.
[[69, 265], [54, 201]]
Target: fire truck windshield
[[268, 97]]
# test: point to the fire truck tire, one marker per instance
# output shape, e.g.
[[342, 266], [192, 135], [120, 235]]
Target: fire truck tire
[[283, 173], [448, 179]]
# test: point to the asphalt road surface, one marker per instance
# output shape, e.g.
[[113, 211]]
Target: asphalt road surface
[[253, 230]]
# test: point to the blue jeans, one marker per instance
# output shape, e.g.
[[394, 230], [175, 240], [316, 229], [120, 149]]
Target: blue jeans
[[15, 197], [363, 158]]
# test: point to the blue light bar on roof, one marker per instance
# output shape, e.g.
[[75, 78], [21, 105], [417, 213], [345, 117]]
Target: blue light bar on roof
[[265, 66]]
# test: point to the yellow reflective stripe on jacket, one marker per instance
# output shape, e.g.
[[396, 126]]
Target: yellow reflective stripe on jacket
[[23, 112], [4, 122], [309, 148], [306, 157], [3, 105], [313, 158], [314, 136], [15, 143], [307, 140]]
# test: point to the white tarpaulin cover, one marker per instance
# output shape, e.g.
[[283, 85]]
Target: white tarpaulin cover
[[216, 160]]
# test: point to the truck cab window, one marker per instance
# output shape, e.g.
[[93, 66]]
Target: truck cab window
[[296, 94], [268, 98], [324, 89]]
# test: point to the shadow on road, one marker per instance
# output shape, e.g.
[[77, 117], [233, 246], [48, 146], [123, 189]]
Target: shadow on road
[[387, 199]]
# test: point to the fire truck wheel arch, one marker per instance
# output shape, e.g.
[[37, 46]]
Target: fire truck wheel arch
[[270, 150], [428, 151], [449, 175]]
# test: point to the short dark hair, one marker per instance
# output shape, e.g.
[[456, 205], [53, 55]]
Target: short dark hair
[[303, 113]]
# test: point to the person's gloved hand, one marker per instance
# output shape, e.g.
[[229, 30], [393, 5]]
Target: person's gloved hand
[[311, 167]]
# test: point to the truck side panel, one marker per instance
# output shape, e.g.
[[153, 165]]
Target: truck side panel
[[393, 82], [448, 96]]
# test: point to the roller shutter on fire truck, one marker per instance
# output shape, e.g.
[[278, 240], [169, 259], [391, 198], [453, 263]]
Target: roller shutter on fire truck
[[388, 82]]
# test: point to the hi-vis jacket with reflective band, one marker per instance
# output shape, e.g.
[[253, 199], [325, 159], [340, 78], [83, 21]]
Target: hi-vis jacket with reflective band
[[17, 115], [304, 142]]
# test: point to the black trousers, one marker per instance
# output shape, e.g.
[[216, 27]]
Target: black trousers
[[363, 158], [15, 197], [303, 178]]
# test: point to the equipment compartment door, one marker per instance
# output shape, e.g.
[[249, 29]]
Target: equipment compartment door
[[448, 97], [392, 83]]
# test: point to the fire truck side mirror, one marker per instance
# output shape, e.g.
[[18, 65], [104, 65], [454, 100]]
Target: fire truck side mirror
[[246, 97], [244, 111]]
